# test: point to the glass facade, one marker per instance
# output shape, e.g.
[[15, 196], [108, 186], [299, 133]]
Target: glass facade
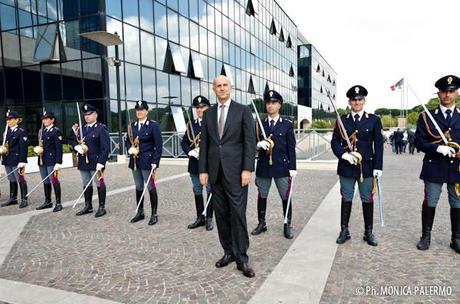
[[316, 78], [171, 52]]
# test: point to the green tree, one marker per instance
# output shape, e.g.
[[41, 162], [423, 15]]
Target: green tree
[[412, 118], [389, 121]]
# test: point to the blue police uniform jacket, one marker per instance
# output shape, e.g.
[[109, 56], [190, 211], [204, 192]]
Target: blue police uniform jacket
[[150, 145], [52, 146], [187, 146], [17, 147], [436, 167], [369, 144], [283, 154], [97, 139]]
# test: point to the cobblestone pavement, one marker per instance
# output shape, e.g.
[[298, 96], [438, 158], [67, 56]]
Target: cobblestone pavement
[[396, 265], [166, 263], [116, 176]]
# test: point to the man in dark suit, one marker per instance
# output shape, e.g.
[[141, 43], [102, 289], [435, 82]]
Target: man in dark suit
[[227, 155], [398, 138]]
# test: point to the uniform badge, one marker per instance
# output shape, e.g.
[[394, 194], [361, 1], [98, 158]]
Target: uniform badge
[[449, 80], [139, 103], [25, 138], [60, 137], [7, 113], [271, 93], [199, 99], [357, 90], [44, 113], [85, 107]]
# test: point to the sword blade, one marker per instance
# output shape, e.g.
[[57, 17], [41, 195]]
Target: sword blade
[[9, 174], [145, 188], [86, 187], [79, 121], [207, 204], [289, 200], [33, 189], [444, 139], [258, 120], [380, 200], [340, 123]]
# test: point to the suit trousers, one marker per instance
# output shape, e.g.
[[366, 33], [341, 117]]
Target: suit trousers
[[230, 200]]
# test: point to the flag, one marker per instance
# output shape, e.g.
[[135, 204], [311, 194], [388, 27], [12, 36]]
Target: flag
[[398, 85]]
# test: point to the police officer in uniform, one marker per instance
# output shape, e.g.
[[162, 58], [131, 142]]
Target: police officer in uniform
[[145, 146], [441, 162], [93, 151], [14, 158], [365, 133], [277, 160], [190, 146], [49, 153]]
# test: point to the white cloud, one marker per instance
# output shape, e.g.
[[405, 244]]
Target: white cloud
[[375, 43]]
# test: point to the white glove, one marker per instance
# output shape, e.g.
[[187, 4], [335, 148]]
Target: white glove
[[79, 149], [194, 153], [446, 151], [349, 158], [292, 173], [99, 167], [22, 165], [378, 173], [2, 150], [154, 166], [57, 167], [132, 151], [263, 144]]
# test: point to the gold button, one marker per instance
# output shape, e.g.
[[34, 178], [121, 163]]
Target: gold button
[[451, 161]]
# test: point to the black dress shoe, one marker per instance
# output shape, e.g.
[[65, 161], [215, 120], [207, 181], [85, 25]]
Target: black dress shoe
[[200, 221], [288, 231], [370, 238], [138, 217], [57, 208], [343, 236], [45, 205], [86, 210], [261, 227], [153, 219], [209, 224], [247, 271], [225, 260], [100, 212]]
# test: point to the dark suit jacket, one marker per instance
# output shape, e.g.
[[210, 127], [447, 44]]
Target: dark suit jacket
[[236, 150]]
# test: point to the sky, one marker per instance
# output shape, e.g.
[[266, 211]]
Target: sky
[[376, 43]]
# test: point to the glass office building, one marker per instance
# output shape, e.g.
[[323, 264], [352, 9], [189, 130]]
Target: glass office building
[[171, 51], [315, 79]]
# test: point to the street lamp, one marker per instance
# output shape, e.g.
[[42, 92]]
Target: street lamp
[[108, 39]]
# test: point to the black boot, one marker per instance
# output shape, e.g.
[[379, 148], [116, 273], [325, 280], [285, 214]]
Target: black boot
[[57, 193], [287, 227], [47, 203], [368, 214], [200, 220], [261, 210], [101, 193], [154, 203], [88, 204], [140, 211], [209, 213], [345, 211], [23, 188], [13, 200], [427, 223], [455, 222]]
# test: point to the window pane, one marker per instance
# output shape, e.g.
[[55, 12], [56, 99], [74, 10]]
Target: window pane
[[146, 14], [45, 42], [183, 7], [92, 78], [133, 82], [162, 86], [113, 8], [130, 13], [173, 26], [194, 37], [184, 33], [149, 85], [131, 42], [160, 20], [194, 10], [8, 17], [160, 50], [148, 49]]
